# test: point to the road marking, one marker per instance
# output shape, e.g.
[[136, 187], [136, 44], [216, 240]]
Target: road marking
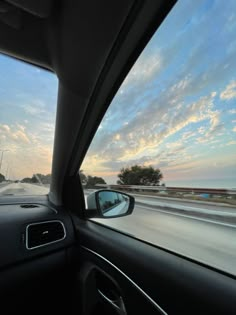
[[189, 217]]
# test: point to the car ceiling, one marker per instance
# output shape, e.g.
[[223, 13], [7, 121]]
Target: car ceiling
[[73, 41], [90, 45]]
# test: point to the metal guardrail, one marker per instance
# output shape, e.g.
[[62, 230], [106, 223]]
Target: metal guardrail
[[210, 191]]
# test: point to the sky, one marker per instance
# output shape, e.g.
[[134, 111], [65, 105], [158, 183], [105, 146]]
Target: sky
[[176, 110], [27, 118]]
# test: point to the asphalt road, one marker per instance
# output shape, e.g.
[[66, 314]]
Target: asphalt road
[[213, 243], [22, 189]]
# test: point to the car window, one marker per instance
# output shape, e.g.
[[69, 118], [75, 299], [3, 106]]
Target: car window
[[169, 137], [28, 107]]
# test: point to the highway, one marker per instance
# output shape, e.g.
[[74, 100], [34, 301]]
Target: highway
[[210, 243], [22, 189], [201, 238]]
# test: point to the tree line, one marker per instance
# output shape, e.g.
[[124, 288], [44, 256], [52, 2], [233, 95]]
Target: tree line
[[140, 175], [134, 175], [38, 178], [2, 178], [90, 181]]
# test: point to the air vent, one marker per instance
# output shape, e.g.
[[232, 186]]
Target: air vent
[[44, 233], [29, 206]]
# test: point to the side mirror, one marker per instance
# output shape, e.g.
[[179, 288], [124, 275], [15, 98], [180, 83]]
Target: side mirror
[[109, 204]]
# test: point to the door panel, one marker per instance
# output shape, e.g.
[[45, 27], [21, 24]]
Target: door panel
[[106, 289], [150, 279]]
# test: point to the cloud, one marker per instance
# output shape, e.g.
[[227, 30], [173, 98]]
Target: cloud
[[180, 86], [146, 67], [149, 132], [15, 133], [141, 140], [164, 108], [27, 152], [37, 107], [232, 111], [117, 137], [5, 128], [163, 117], [231, 143], [234, 129], [156, 117], [229, 92], [20, 136]]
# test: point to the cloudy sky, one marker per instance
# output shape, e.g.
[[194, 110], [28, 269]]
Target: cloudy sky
[[176, 110], [27, 118]]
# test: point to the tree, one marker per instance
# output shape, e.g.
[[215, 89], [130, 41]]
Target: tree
[[26, 180], [90, 181], [83, 177], [140, 175], [93, 180], [44, 179], [38, 179], [34, 180], [2, 178]]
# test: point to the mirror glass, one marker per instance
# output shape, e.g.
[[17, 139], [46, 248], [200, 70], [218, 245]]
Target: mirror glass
[[113, 203]]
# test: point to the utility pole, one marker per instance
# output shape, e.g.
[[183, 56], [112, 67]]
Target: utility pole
[[2, 158]]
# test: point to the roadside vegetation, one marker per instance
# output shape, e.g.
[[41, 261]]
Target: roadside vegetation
[[140, 175]]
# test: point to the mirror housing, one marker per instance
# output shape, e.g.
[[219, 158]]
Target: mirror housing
[[109, 204]]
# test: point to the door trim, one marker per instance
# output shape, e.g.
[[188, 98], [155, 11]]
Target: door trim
[[158, 307]]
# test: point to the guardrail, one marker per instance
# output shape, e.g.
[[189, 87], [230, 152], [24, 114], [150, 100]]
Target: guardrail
[[160, 195], [190, 190]]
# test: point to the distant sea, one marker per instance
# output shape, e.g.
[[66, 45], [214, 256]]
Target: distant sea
[[227, 183]]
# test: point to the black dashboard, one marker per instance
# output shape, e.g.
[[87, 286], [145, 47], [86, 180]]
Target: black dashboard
[[25, 262]]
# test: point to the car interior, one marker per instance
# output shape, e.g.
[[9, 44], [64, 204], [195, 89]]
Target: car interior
[[53, 256]]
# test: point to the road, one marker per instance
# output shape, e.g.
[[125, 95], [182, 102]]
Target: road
[[201, 210], [197, 233], [210, 242], [22, 189]]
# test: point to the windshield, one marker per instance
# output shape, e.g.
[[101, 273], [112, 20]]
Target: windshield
[[169, 137], [28, 107]]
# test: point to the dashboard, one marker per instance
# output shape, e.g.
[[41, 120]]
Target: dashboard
[[36, 242]]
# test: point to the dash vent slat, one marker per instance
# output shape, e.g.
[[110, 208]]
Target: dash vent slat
[[29, 206]]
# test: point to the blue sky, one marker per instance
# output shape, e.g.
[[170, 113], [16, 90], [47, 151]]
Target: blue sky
[[27, 120], [176, 109]]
